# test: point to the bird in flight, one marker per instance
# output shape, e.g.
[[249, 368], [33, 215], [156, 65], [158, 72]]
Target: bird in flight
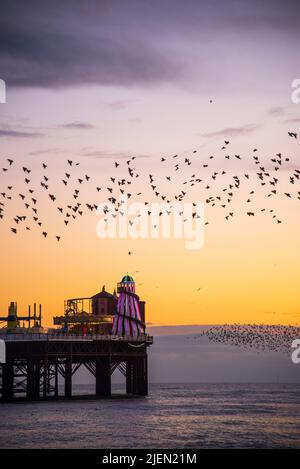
[[219, 188]]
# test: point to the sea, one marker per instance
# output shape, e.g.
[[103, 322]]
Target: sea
[[174, 416]]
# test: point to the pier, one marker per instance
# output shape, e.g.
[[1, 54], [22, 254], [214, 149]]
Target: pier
[[35, 361], [102, 333]]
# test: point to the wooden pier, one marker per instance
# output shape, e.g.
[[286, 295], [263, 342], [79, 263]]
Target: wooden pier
[[35, 361]]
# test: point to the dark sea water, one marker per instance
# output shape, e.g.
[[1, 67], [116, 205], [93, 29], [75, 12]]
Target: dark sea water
[[173, 416]]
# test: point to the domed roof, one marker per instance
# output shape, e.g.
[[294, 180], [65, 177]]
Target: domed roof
[[127, 278]]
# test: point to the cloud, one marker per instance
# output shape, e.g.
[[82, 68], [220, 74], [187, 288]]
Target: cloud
[[59, 44], [19, 134], [46, 151], [112, 155], [158, 330], [233, 131], [106, 154], [77, 125], [275, 111], [293, 120], [129, 43], [135, 120], [188, 358], [119, 105]]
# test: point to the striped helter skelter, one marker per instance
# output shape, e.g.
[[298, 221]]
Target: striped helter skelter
[[127, 320]]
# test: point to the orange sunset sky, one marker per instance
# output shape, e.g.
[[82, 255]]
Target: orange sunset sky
[[174, 90]]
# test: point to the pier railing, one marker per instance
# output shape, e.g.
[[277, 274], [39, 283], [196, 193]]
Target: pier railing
[[72, 337]]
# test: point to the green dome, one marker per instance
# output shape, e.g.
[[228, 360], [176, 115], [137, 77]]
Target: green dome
[[127, 278]]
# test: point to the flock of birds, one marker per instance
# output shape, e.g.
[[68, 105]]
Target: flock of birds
[[261, 338], [219, 188]]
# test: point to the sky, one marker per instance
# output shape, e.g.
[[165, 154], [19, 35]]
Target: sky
[[99, 82], [180, 354]]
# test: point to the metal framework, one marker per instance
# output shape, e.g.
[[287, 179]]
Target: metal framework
[[76, 306], [33, 365]]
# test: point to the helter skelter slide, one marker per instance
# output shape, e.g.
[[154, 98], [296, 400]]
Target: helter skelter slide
[[127, 320]]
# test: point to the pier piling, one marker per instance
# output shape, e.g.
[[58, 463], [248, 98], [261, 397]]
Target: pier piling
[[35, 361]]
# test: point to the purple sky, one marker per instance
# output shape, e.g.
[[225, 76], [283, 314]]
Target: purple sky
[[139, 75], [143, 43]]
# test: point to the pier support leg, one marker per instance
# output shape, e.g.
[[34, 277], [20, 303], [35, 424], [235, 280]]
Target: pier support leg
[[140, 376], [135, 376], [1, 379], [30, 380], [103, 376], [8, 381], [68, 377], [144, 383], [36, 380], [129, 377], [56, 380], [45, 378]]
